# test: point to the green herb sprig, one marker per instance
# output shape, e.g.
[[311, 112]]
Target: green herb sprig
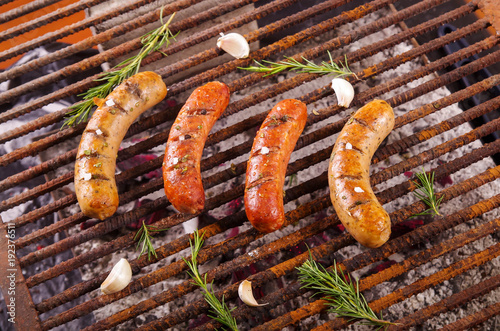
[[425, 192], [143, 238], [151, 42], [340, 292], [219, 309], [325, 68]]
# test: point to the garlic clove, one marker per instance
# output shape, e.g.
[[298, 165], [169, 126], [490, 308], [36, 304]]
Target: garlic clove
[[344, 91], [118, 278], [246, 295], [234, 44]]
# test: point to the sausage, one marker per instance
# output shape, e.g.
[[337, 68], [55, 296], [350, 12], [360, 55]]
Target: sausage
[[186, 140], [349, 176], [95, 184], [266, 167]]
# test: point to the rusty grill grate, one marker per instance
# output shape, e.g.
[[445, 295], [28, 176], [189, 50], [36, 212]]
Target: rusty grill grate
[[406, 65]]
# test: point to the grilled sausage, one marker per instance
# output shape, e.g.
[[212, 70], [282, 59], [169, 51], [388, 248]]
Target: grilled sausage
[[95, 184], [266, 168], [348, 174], [181, 164]]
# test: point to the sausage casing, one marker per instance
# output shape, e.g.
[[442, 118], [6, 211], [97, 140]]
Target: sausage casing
[[266, 167], [95, 184], [349, 174], [187, 137]]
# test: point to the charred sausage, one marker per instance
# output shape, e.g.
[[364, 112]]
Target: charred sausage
[[266, 167], [349, 175], [181, 164], [95, 185]]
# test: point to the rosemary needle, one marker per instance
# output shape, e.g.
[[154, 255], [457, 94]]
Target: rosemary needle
[[425, 192], [341, 293], [340, 70], [143, 238], [219, 309], [151, 42]]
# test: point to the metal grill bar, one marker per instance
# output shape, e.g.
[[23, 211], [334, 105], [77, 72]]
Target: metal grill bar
[[23, 10], [454, 301], [468, 185], [48, 18], [259, 119], [492, 126], [469, 322], [403, 243]]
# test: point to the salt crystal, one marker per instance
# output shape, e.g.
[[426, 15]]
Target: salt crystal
[[348, 146], [358, 189], [175, 160], [181, 138], [87, 176], [98, 132], [110, 103], [253, 253], [264, 150]]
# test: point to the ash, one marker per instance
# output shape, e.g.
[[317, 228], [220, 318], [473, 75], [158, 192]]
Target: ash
[[430, 296]]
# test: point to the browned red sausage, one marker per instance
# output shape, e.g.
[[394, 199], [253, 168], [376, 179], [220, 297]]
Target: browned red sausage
[[349, 174], [268, 161], [181, 165], [95, 185]]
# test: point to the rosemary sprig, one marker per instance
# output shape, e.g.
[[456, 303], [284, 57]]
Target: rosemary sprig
[[425, 192], [325, 68], [341, 293], [143, 238], [220, 311], [151, 42]]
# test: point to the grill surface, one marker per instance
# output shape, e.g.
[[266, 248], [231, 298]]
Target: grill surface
[[433, 272]]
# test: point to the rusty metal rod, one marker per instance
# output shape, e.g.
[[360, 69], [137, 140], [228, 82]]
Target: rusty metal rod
[[291, 194], [402, 243], [25, 9], [398, 244], [457, 165], [369, 8], [305, 138], [182, 243], [435, 44], [420, 285], [230, 293], [183, 25], [87, 43], [474, 134], [114, 222], [373, 28], [434, 130], [306, 35], [455, 97], [54, 16], [469, 322], [464, 215], [454, 192], [54, 117], [447, 304]]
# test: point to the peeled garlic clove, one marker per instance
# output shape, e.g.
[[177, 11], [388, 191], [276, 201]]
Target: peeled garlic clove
[[118, 278], [234, 44], [344, 91], [246, 295]]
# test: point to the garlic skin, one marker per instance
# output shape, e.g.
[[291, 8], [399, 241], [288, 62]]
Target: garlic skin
[[234, 44], [118, 278], [246, 295], [344, 91]]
